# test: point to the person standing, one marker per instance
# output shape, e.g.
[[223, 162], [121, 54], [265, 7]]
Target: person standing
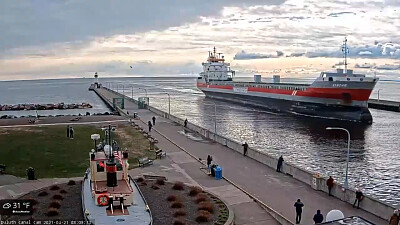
[[245, 147], [394, 219], [280, 161], [185, 123], [150, 125], [71, 132], [299, 209], [329, 183], [68, 130], [209, 160], [359, 197], [154, 120], [318, 218]]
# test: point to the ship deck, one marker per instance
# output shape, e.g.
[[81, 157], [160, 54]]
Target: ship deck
[[138, 213], [256, 83]]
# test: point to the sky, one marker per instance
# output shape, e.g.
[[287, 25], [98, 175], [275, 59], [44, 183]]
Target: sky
[[60, 39]]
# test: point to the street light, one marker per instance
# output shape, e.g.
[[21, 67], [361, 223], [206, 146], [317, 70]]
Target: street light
[[215, 116], [378, 94], [346, 181], [169, 104], [144, 90]]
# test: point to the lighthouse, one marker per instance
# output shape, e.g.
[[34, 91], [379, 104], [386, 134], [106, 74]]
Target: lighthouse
[[96, 80]]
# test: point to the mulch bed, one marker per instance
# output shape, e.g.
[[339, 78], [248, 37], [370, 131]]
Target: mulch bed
[[69, 202], [161, 209]]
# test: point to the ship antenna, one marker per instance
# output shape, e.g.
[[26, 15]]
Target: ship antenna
[[215, 52], [345, 51]]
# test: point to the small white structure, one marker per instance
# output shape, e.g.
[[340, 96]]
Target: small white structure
[[277, 79], [257, 78], [334, 215]]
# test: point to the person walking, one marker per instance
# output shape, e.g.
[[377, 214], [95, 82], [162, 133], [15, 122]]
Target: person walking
[[209, 160], [318, 218], [359, 197], [299, 209], [154, 120], [394, 219], [68, 130], [329, 183], [280, 161], [71, 132], [245, 147], [185, 123], [150, 125]]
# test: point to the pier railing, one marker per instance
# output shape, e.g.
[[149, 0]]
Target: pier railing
[[315, 180]]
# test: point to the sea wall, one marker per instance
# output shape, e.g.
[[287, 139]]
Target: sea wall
[[315, 180]]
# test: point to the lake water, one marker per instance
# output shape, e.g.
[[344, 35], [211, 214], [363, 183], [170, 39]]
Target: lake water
[[374, 160]]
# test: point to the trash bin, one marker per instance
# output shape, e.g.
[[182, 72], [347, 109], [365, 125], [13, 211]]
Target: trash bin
[[218, 172], [213, 166], [135, 115], [30, 172]]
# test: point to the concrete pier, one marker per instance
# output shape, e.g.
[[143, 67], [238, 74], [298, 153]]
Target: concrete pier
[[255, 174], [384, 105]]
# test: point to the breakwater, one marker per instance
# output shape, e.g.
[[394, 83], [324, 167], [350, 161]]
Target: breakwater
[[50, 106], [384, 105], [309, 177]]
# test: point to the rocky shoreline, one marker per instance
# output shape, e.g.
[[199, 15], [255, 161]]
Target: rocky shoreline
[[50, 106]]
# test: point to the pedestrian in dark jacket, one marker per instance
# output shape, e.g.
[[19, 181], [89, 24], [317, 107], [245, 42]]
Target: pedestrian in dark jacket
[[280, 161], [185, 123], [150, 125], [394, 219], [154, 120], [71, 132], [245, 146], [299, 209], [209, 160], [318, 218], [329, 183], [359, 197], [68, 130]]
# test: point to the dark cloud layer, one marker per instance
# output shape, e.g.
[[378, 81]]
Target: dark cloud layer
[[24, 23]]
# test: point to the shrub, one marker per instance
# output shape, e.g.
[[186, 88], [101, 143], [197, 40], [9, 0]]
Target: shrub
[[206, 206], [160, 181], [140, 179], [43, 193], [177, 205], [203, 216], [201, 198], [178, 186], [71, 182], [57, 197], [178, 222], [155, 187], [63, 191], [52, 212], [194, 191], [54, 187], [172, 198], [55, 205], [180, 212], [143, 183]]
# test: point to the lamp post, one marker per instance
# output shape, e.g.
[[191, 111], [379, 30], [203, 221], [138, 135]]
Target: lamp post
[[215, 116], [378, 94], [346, 181], [123, 89], [145, 90], [169, 104]]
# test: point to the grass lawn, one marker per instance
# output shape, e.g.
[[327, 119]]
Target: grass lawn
[[53, 155]]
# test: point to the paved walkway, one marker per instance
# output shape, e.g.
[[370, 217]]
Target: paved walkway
[[17, 187], [276, 190]]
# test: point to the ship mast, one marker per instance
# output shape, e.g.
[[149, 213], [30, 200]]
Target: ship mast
[[345, 51]]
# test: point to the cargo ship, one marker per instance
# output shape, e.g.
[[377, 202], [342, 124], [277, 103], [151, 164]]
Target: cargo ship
[[339, 95]]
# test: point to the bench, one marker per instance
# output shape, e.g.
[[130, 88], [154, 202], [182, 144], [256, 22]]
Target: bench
[[160, 153], [145, 161], [2, 169]]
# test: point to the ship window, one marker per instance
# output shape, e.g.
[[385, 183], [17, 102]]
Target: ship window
[[330, 79], [348, 78], [361, 79]]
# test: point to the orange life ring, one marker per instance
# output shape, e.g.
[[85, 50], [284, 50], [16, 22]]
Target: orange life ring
[[102, 200]]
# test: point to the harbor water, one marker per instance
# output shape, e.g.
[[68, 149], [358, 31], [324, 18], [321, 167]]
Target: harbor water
[[374, 151]]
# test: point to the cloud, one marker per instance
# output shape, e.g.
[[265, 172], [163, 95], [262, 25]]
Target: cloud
[[25, 23], [242, 55]]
